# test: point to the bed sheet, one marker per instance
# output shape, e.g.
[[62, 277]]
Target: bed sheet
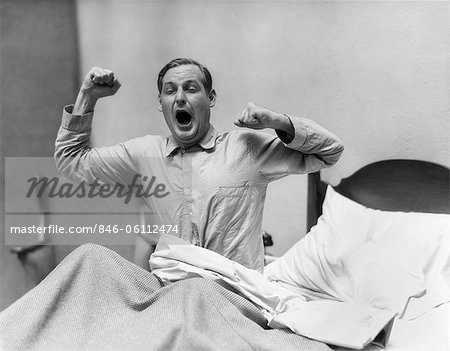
[[430, 332]]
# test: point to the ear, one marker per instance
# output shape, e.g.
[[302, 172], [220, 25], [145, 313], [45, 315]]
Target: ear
[[212, 98], [159, 103]]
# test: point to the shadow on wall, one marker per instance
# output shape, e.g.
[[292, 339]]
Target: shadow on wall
[[39, 75]]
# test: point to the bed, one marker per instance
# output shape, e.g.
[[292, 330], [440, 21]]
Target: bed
[[96, 299], [407, 186], [378, 240]]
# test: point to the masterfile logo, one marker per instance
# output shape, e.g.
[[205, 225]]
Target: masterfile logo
[[140, 186], [104, 207]]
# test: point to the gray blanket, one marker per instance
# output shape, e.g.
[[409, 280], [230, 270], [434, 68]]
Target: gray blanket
[[95, 299]]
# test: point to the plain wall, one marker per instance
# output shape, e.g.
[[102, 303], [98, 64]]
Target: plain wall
[[374, 73], [39, 73], [386, 82]]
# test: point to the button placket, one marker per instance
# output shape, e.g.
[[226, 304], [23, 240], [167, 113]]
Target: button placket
[[186, 162]]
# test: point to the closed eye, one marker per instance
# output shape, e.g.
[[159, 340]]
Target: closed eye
[[192, 89]]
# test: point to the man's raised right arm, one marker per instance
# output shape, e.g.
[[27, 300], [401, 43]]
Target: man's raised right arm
[[74, 155], [98, 83]]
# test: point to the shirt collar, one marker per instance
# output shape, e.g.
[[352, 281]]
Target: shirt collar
[[207, 142]]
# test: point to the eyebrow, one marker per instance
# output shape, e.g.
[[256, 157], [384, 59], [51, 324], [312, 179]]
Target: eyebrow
[[190, 81]]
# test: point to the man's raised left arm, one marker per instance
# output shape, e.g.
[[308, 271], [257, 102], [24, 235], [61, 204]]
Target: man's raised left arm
[[305, 145]]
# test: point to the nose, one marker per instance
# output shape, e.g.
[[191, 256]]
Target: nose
[[180, 97]]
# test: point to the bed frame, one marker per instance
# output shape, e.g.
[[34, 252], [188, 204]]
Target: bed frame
[[389, 185]]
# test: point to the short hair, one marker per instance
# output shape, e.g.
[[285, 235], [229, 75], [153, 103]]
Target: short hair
[[206, 79]]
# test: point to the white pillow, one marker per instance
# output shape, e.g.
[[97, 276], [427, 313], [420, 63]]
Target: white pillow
[[380, 258]]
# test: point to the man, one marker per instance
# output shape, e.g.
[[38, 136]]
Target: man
[[217, 181]]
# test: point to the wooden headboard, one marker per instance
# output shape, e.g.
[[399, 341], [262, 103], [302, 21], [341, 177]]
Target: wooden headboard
[[390, 185]]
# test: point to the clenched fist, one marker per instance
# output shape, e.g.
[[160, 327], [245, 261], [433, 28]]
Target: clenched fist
[[258, 117], [98, 83]]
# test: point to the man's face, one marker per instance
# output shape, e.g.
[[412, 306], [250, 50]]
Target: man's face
[[185, 104]]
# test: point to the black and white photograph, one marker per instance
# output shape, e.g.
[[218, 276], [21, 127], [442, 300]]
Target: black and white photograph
[[225, 175]]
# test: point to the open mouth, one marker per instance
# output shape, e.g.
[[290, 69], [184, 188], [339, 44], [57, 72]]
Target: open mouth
[[183, 117]]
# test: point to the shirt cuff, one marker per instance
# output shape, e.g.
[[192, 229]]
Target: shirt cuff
[[76, 123], [300, 133]]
